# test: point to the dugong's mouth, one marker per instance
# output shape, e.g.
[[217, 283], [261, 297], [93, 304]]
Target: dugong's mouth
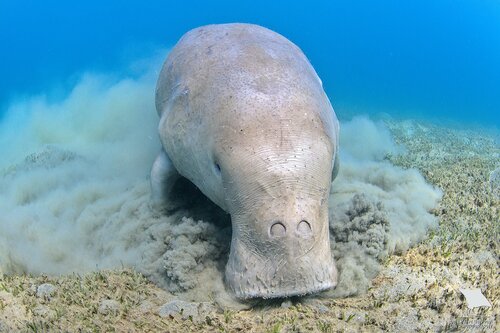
[[251, 275]]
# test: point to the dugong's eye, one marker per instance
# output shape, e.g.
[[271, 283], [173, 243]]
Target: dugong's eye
[[217, 169]]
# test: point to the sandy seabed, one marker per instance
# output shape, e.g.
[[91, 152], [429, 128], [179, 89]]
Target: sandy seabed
[[415, 289]]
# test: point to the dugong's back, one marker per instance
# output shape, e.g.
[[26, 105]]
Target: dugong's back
[[235, 58]]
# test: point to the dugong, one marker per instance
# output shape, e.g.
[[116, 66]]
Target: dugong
[[244, 117]]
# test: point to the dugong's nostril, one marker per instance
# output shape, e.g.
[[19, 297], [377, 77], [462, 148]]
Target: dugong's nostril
[[304, 228], [277, 229]]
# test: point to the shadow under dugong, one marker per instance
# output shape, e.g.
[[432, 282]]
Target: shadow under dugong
[[243, 116]]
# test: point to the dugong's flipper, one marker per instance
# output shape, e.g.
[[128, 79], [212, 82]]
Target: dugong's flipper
[[163, 178]]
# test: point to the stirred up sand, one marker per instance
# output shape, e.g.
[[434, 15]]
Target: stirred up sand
[[76, 196]]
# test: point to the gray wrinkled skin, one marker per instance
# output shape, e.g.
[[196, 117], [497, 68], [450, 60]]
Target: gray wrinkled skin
[[244, 117]]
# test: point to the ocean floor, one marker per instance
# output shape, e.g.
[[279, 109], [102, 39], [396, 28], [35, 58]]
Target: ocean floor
[[415, 289]]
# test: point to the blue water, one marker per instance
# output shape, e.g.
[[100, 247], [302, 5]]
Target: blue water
[[422, 58]]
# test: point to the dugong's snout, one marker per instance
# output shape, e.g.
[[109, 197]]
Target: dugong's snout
[[287, 258]]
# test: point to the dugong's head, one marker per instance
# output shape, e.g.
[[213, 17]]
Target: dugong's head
[[276, 175]]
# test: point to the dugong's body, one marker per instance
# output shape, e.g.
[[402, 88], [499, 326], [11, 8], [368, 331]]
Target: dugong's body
[[244, 117]]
